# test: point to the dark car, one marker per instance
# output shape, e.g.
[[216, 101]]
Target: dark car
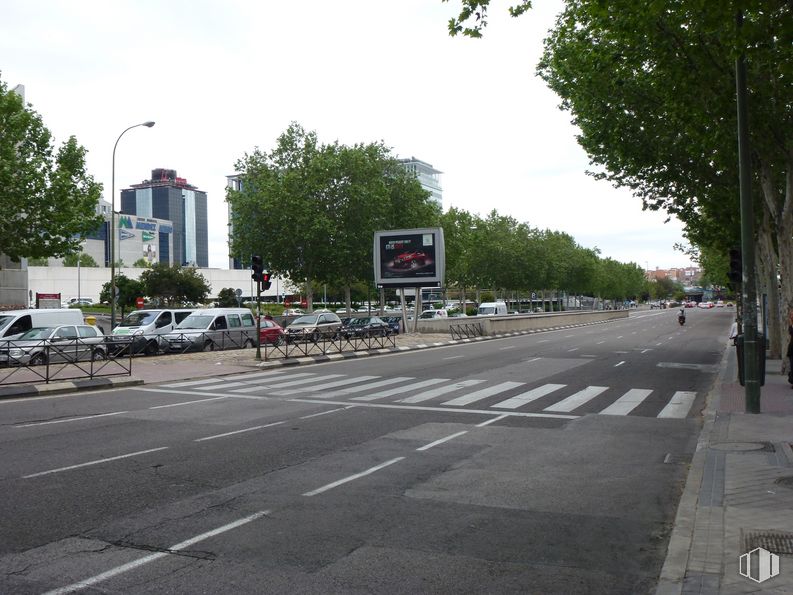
[[394, 322], [364, 327], [410, 260], [271, 332]]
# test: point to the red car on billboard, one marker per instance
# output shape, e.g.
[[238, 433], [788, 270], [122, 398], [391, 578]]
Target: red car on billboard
[[410, 260]]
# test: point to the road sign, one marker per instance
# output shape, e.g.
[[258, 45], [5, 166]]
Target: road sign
[[238, 292]]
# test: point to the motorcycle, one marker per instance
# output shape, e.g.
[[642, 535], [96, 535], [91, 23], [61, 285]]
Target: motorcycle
[[681, 318]]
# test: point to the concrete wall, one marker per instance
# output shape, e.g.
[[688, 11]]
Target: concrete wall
[[64, 280], [495, 325], [13, 282]]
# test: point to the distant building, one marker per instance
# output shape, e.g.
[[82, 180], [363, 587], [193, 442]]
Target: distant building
[[428, 177], [686, 276], [170, 198], [234, 183]]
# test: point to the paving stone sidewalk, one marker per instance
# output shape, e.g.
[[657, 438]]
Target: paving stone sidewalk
[[739, 493]]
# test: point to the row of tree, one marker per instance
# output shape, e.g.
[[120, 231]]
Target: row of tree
[[652, 89], [311, 210]]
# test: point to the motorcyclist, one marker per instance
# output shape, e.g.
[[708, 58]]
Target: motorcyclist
[[681, 317]]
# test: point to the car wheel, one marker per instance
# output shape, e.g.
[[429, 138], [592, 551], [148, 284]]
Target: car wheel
[[39, 359], [98, 355], [151, 348], [209, 346], [316, 336], [248, 344], [279, 340]]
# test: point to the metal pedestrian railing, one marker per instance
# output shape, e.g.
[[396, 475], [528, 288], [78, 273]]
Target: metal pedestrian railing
[[325, 345], [467, 330], [30, 362]]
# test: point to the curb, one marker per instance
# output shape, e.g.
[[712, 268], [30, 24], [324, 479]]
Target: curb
[[66, 386], [673, 572]]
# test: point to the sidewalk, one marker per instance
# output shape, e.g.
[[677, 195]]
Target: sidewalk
[[739, 492]]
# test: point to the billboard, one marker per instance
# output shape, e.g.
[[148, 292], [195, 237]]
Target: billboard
[[409, 257]]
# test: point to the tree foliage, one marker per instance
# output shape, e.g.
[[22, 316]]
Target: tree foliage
[[174, 284], [129, 290], [47, 198], [85, 260], [227, 298]]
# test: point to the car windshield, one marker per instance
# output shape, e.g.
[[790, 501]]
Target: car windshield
[[487, 310], [304, 320], [139, 319], [428, 314], [196, 321], [358, 322], [5, 321], [40, 332]]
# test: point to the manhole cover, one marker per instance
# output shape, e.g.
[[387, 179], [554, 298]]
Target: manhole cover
[[785, 482], [738, 446], [776, 542]]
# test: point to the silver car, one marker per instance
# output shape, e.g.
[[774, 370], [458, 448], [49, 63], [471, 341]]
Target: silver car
[[313, 327], [63, 343]]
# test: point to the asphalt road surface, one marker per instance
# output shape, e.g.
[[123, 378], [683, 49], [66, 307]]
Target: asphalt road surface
[[545, 463]]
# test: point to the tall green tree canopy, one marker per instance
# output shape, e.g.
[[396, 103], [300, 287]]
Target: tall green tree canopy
[[47, 198]]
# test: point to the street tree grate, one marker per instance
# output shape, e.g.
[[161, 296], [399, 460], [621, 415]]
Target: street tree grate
[[776, 542]]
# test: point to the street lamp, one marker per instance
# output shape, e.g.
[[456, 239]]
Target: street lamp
[[113, 227]]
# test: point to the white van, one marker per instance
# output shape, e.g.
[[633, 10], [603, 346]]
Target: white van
[[212, 328], [433, 314], [16, 322], [142, 327], [492, 309]]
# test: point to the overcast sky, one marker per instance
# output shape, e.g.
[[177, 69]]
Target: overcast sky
[[223, 77]]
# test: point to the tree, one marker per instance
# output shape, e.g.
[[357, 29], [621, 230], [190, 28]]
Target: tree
[[86, 260], [129, 290], [227, 298], [141, 263], [174, 284], [47, 198]]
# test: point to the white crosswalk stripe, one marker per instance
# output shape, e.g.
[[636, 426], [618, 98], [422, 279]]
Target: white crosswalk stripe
[[436, 392], [408, 390], [627, 402], [679, 406], [528, 397], [400, 389], [575, 400], [483, 394]]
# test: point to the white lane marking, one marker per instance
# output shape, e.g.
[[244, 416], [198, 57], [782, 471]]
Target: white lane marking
[[188, 403], [300, 382], [326, 412], [569, 336], [483, 394], [63, 421], [573, 349], [619, 337], [152, 557], [215, 380], [454, 357], [544, 341], [507, 347], [679, 406], [278, 423], [645, 350], [627, 402], [223, 385], [444, 409], [490, 421], [529, 396], [400, 389], [534, 359], [617, 365], [436, 392], [190, 383], [576, 400], [365, 387], [599, 342], [97, 462], [305, 376], [441, 441], [369, 471], [326, 385]]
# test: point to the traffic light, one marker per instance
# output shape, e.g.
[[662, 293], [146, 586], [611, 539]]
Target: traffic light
[[266, 281], [735, 274], [257, 268]]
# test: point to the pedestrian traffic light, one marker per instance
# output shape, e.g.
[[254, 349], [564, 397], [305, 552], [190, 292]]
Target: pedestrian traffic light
[[735, 274], [257, 268], [266, 281]]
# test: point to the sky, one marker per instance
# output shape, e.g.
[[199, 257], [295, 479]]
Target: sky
[[221, 78]]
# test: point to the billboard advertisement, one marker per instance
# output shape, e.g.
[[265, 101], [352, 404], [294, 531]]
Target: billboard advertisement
[[409, 257]]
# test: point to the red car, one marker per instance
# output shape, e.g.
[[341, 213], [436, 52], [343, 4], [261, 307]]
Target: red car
[[271, 332], [412, 260]]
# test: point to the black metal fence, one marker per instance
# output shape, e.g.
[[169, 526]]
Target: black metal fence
[[326, 345], [31, 362], [466, 331]]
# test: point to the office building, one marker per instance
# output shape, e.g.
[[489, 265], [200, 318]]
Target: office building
[[428, 177], [171, 198]]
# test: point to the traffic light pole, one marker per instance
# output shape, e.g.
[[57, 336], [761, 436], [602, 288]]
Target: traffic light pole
[[258, 321], [748, 289]]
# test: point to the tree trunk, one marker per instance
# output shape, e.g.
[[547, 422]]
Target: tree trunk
[[309, 296], [348, 300], [766, 284]]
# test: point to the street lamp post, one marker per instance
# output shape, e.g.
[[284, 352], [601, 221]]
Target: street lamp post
[[113, 227]]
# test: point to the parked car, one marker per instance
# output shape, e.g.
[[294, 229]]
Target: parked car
[[15, 322], [395, 322], [313, 327], [271, 332], [432, 314], [410, 260], [62, 343], [705, 305], [292, 312], [77, 302], [366, 326], [212, 328], [141, 328]]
